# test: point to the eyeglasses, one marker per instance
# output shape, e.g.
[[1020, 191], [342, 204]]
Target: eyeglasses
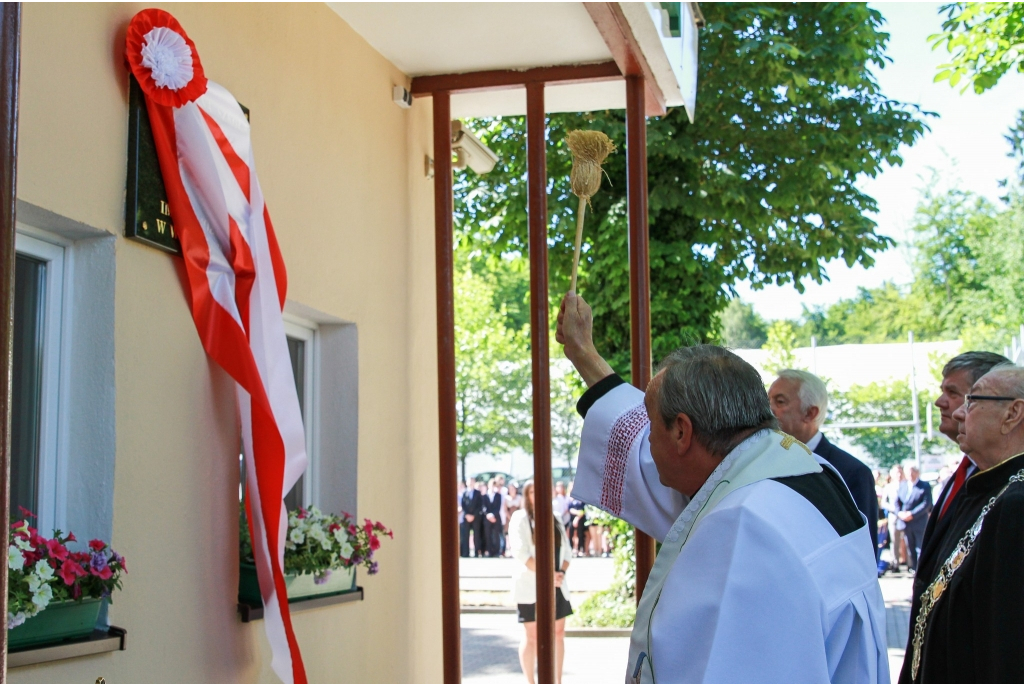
[[971, 399]]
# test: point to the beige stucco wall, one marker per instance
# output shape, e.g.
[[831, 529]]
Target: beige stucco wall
[[342, 169]]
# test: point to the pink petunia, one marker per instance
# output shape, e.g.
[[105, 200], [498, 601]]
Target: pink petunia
[[69, 571], [97, 545], [374, 542], [57, 550], [103, 573], [71, 538]]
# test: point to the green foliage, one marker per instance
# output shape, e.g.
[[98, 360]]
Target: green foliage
[[966, 284], [985, 40], [780, 344], [892, 401], [616, 606], [742, 327], [492, 360], [762, 186]]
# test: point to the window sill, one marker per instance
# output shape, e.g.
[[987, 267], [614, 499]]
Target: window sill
[[251, 613], [113, 639]]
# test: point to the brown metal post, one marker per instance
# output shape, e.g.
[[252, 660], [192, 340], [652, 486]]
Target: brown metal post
[[10, 59], [443, 227], [639, 275], [537, 181]]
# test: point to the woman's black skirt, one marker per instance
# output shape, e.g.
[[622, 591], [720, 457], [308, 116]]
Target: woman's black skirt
[[528, 612]]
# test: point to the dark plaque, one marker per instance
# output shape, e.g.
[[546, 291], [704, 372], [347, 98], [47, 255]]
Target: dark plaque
[[147, 214]]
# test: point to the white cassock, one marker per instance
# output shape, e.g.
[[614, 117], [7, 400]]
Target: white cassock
[[752, 583]]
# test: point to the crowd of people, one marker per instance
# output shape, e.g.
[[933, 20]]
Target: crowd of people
[[770, 535], [486, 508]]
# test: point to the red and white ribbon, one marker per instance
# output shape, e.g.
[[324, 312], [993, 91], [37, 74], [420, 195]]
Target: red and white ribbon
[[237, 286]]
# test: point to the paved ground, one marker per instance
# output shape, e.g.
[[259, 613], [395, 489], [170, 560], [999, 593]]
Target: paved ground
[[490, 640], [490, 644]]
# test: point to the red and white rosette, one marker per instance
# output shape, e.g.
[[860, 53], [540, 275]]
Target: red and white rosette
[[164, 59], [237, 284]]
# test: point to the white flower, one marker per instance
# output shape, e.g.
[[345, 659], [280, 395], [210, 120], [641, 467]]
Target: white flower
[[34, 582], [346, 550], [43, 570], [297, 536], [15, 559], [42, 598], [22, 544], [341, 535], [15, 620], [168, 57]]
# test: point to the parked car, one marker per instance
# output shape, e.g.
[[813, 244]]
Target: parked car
[[486, 476]]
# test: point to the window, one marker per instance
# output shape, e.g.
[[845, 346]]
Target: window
[[302, 341], [324, 357], [38, 317]]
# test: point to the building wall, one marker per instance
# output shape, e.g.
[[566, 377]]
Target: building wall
[[342, 170]]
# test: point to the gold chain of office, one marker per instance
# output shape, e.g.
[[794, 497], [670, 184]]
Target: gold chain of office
[[934, 593]]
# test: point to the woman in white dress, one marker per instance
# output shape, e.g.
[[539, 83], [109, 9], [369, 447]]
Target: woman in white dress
[[522, 542]]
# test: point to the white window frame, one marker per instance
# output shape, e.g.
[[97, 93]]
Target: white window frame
[[308, 332], [52, 464]]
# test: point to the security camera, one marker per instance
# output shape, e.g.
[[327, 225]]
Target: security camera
[[469, 151]]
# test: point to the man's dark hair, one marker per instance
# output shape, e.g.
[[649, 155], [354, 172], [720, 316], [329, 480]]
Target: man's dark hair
[[977, 364], [723, 395]]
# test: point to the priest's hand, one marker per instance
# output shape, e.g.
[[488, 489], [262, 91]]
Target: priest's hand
[[575, 332]]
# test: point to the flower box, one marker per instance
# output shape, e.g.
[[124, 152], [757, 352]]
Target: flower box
[[60, 621], [300, 586]]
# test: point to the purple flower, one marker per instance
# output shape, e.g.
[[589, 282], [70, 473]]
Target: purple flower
[[357, 559], [321, 578], [98, 561], [374, 568]]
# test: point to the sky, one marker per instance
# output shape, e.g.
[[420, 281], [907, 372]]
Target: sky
[[965, 147]]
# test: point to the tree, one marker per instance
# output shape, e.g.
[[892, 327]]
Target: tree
[[780, 344], [878, 402], [985, 39], [762, 186], [742, 327], [891, 401], [492, 370]]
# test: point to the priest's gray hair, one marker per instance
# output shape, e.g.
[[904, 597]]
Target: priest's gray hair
[[722, 394], [976, 363], [1011, 379], [812, 392]]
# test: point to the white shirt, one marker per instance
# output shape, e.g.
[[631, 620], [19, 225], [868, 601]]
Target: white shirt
[[520, 542], [812, 444], [560, 507], [763, 588]]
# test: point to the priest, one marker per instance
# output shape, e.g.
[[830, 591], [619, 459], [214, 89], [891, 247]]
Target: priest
[[765, 573], [970, 623]]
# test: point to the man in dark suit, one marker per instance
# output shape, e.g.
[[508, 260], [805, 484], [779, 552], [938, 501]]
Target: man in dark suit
[[800, 402], [493, 528], [473, 522], [912, 517], [958, 375]]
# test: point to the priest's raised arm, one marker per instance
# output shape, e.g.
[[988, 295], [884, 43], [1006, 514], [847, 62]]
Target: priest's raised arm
[[615, 470]]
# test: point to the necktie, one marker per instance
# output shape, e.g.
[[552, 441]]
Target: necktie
[[958, 480]]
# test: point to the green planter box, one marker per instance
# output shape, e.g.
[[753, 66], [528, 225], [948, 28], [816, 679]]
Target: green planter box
[[56, 623], [299, 586]]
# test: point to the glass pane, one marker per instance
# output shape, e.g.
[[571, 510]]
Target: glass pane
[[297, 352], [26, 408]]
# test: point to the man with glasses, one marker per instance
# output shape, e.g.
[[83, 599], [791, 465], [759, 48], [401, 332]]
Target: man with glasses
[[970, 623], [958, 375]]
